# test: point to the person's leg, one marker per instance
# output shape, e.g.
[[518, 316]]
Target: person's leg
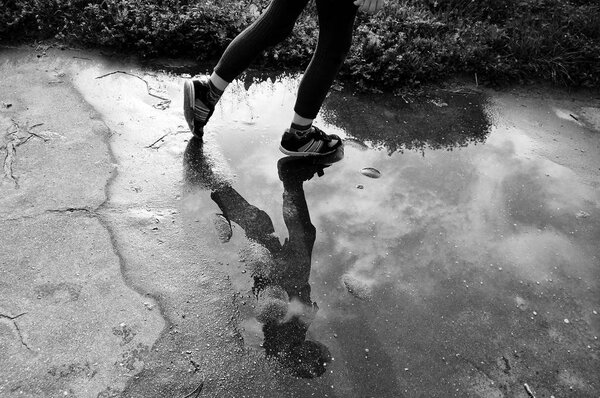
[[274, 25], [336, 26]]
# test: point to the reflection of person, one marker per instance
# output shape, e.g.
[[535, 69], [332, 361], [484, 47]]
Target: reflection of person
[[281, 283], [336, 20]]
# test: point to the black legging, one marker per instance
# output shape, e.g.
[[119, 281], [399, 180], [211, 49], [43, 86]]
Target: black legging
[[336, 22]]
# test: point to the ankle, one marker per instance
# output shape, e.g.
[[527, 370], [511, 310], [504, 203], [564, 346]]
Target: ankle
[[214, 93], [218, 82], [300, 128]]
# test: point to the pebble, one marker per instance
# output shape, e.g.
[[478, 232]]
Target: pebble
[[566, 321], [370, 172], [582, 214]]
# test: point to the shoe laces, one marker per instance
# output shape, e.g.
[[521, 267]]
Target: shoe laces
[[321, 134]]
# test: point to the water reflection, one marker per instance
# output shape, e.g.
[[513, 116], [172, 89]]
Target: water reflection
[[443, 120], [435, 278], [280, 271]]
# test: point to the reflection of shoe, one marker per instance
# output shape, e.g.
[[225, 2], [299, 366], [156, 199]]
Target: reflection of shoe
[[314, 142], [303, 169], [196, 107]]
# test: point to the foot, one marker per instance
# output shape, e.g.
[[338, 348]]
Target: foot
[[313, 142], [197, 109]]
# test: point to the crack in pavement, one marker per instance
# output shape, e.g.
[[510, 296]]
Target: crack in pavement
[[104, 213], [13, 321], [67, 210], [86, 211], [13, 142]]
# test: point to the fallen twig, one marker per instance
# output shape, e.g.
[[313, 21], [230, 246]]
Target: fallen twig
[[196, 392], [136, 76], [34, 134], [163, 137], [155, 142], [528, 390], [12, 145], [38, 136]]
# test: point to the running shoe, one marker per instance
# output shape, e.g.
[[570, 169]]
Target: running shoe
[[313, 142], [196, 107]]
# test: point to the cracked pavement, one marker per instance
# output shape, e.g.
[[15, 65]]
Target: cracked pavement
[[60, 270], [113, 282], [94, 253]]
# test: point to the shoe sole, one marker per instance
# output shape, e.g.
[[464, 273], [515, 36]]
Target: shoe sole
[[307, 154], [317, 160], [188, 103]]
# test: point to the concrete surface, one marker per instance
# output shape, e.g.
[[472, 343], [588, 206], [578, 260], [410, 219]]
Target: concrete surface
[[469, 269]]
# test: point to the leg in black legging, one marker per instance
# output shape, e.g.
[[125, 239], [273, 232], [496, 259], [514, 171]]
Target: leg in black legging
[[336, 25], [274, 25]]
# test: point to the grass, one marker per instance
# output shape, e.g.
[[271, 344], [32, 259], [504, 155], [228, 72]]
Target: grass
[[408, 43]]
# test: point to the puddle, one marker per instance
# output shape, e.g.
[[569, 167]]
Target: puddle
[[451, 274]]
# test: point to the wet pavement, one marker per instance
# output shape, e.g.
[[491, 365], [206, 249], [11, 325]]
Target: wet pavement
[[450, 250]]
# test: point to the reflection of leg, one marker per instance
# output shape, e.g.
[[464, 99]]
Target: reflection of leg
[[302, 232], [199, 167], [255, 222], [285, 324], [297, 252]]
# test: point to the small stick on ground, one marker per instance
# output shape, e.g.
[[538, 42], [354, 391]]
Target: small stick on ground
[[196, 392], [155, 142], [11, 146], [37, 135], [136, 76], [163, 137], [528, 390]]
